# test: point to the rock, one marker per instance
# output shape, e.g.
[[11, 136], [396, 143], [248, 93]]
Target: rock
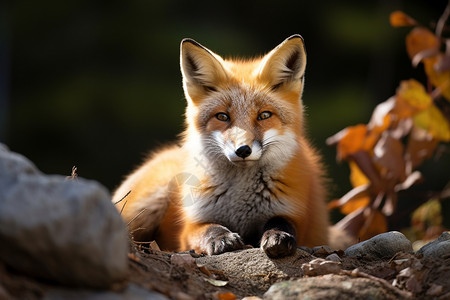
[[322, 251], [12, 166], [67, 232], [333, 257], [437, 248], [320, 266], [132, 292], [381, 246], [332, 287]]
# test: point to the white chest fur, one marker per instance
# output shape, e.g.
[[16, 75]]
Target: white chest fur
[[243, 201]]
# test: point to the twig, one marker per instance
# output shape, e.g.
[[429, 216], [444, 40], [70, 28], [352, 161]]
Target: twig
[[441, 23], [121, 210], [384, 283], [128, 224]]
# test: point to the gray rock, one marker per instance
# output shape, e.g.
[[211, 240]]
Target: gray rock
[[333, 287], [380, 246], [437, 248], [132, 292], [68, 232]]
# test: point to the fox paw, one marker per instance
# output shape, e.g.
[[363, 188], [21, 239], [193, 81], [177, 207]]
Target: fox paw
[[277, 243], [219, 240]]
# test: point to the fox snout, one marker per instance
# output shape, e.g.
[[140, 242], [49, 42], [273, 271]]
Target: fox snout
[[238, 145]]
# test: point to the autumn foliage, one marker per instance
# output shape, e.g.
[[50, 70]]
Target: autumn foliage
[[384, 154]]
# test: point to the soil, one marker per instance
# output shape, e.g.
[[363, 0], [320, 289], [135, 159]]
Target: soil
[[250, 272]]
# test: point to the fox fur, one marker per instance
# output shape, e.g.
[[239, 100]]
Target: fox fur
[[244, 174]]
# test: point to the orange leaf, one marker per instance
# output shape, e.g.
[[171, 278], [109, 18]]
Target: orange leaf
[[420, 39], [352, 141], [399, 19], [375, 223], [226, 296], [411, 98], [434, 122], [357, 178], [438, 79], [354, 205]]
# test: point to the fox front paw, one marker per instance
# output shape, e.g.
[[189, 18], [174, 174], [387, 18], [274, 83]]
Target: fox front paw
[[219, 239], [277, 243]]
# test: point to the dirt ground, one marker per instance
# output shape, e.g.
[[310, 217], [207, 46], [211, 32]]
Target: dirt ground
[[250, 272]]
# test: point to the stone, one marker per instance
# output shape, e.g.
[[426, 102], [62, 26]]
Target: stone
[[437, 248], [63, 231], [333, 286], [132, 292], [320, 266], [384, 245]]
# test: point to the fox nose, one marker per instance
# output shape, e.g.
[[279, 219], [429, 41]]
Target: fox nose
[[243, 151]]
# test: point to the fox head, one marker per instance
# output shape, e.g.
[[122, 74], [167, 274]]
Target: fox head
[[244, 111]]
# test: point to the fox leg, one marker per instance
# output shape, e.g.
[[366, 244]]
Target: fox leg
[[210, 238], [278, 239]]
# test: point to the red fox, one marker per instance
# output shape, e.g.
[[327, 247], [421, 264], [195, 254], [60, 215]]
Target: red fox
[[244, 174]]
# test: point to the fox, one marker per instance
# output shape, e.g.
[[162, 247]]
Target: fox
[[244, 173]]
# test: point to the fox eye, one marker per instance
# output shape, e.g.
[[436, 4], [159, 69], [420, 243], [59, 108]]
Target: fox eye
[[264, 115], [222, 117]]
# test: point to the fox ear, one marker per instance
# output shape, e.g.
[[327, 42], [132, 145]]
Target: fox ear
[[202, 69], [286, 63]]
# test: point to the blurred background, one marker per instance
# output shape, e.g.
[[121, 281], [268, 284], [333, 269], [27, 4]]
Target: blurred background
[[96, 84]]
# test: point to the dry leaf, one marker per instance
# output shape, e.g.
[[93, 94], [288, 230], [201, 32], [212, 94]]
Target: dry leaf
[[154, 246], [355, 193], [375, 223], [226, 296], [434, 122], [352, 141], [352, 223], [411, 98], [216, 282], [421, 39], [183, 260], [357, 178], [421, 145], [399, 19], [439, 79], [388, 155]]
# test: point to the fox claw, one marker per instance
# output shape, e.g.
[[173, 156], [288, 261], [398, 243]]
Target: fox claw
[[225, 241], [277, 243]]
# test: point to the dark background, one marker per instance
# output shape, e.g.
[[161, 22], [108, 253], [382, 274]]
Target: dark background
[[97, 84]]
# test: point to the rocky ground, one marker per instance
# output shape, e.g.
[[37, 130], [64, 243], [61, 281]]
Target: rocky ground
[[63, 239]]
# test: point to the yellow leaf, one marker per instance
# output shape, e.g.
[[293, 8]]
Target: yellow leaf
[[434, 122], [438, 79], [399, 19], [420, 39], [357, 177], [411, 98]]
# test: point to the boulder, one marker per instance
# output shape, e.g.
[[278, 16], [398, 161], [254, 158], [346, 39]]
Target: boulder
[[64, 231], [381, 246], [333, 286], [437, 248]]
